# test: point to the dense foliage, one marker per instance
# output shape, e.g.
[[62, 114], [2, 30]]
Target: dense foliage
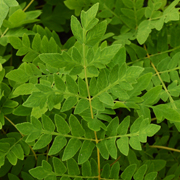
[[89, 89]]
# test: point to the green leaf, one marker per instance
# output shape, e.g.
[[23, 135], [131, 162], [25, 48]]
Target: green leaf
[[86, 169], [76, 29], [97, 104], [71, 149], [76, 55], [76, 128], [72, 167], [58, 143], [142, 83], [4, 9], [71, 85], [151, 176], [114, 174], [111, 147], [133, 73], [25, 128], [164, 111], [59, 166], [151, 95], [88, 16], [36, 43], [69, 103], [139, 175], [103, 149], [53, 59], [60, 85], [12, 158], [123, 127], [112, 127], [144, 29], [128, 172], [108, 53], [106, 98], [15, 42], [119, 92], [18, 75], [18, 151], [81, 106], [36, 99], [47, 123], [135, 143], [123, 145], [96, 33], [85, 151], [23, 89], [82, 87], [12, 177], [43, 141], [38, 172], [106, 171], [61, 124]]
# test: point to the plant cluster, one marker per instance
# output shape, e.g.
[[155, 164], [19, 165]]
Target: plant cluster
[[103, 105]]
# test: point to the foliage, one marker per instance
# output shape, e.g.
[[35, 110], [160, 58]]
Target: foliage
[[104, 104]]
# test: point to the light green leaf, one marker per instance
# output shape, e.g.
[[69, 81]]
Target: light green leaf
[[106, 98], [23, 89], [36, 99], [58, 143], [108, 53], [123, 127], [164, 111], [43, 141], [76, 55], [17, 75], [111, 147], [82, 87], [71, 85], [15, 42], [112, 127], [133, 73], [3, 11], [88, 16], [142, 83], [61, 124], [69, 103], [97, 104], [81, 106], [76, 29], [12, 158], [60, 85], [38, 172], [76, 128], [36, 43], [71, 149], [85, 151], [47, 123], [151, 95], [119, 92], [96, 33], [53, 59], [128, 172], [25, 128], [103, 149], [135, 143], [59, 166], [18, 151], [123, 145]]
